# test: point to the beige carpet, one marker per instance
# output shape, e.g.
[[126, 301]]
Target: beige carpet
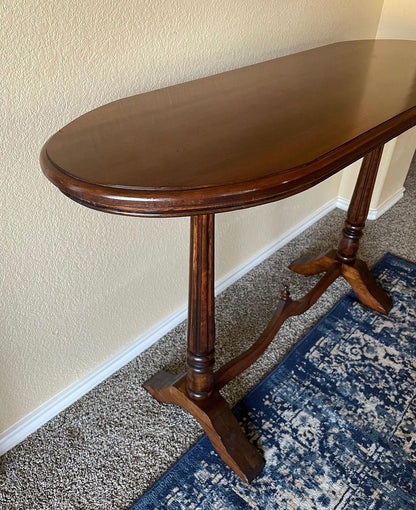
[[107, 448]]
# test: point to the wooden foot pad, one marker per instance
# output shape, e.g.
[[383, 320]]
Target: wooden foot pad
[[357, 275], [365, 286], [217, 420], [309, 266]]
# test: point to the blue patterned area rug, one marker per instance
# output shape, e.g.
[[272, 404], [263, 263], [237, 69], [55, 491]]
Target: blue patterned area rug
[[336, 419]]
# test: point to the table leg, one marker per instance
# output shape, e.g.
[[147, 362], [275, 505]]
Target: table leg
[[354, 270], [195, 391]]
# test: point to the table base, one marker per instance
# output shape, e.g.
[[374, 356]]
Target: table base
[[197, 391]]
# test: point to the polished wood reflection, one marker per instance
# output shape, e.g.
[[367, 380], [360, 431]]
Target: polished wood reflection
[[232, 141], [244, 137]]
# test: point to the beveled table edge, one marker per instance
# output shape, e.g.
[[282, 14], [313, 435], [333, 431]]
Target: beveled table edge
[[244, 194]]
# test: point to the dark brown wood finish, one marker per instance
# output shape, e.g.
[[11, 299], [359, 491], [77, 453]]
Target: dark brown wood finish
[[359, 207], [196, 391], [286, 308], [232, 141], [217, 420], [354, 270], [201, 310], [240, 138]]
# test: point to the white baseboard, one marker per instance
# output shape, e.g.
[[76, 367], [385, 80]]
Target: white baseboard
[[30, 423], [266, 252], [373, 214]]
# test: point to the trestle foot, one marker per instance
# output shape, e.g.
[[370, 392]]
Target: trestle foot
[[217, 420], [357, 275]]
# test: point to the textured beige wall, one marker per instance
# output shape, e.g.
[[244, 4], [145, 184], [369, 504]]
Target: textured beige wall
[[401, 155], [397, 21], [79, 285]]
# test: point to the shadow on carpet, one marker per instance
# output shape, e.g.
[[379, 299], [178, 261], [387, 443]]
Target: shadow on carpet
[[336, 419]]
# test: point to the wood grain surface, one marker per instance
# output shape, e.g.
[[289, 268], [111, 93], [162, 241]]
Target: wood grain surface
[[240, 138]]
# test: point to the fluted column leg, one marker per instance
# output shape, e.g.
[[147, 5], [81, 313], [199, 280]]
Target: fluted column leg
[[353, 269], [201, 311], [195, 390]]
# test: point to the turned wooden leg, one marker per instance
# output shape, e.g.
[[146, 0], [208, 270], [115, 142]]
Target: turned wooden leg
[[354, 270], [195, 391], [359, 207], [201, 313]]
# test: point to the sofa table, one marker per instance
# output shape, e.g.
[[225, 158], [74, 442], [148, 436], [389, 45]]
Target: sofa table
[[235, 140]]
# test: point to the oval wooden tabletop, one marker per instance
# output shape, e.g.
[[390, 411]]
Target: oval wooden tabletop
[[240, 138]]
